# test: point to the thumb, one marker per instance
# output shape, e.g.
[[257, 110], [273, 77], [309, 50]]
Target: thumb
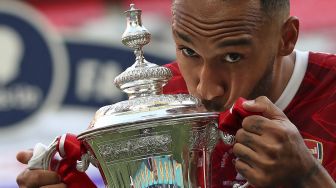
[[24, 156], [264, 106]]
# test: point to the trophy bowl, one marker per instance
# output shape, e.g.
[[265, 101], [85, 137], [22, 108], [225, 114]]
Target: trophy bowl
[[151, 139], [161, 146]]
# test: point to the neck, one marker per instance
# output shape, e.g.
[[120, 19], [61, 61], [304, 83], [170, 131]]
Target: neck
[[282, 72]]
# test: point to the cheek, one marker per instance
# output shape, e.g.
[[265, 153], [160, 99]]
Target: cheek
[[246, 80], [242, 83]]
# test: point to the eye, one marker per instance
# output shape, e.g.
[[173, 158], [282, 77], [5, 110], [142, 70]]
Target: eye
[[233, 57], [188, 52]]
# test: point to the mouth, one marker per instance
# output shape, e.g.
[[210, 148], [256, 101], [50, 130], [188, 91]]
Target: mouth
[[213, 106]]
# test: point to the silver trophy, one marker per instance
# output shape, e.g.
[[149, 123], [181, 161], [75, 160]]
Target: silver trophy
[[151, 139]]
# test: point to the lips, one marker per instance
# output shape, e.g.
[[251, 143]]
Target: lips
[[213, 105]]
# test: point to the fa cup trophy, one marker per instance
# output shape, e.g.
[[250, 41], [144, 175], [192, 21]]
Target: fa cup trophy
[[149, 140]]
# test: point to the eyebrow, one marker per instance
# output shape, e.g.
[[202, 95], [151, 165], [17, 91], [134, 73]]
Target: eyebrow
[[184, 37], [229, 42], [235, 42]]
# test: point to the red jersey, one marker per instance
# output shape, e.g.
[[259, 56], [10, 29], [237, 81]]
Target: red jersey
[[309, 101]]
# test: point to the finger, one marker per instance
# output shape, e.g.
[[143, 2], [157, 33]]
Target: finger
[[245, 154], [24, 156], [61, 185], [38, 178], [266, 107], [256, 124], [244, 169], [249, 140], [252, 175]]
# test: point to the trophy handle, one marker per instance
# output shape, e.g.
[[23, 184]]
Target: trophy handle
[[43, 155]]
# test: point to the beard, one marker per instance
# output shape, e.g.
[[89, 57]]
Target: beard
[[263, 87]]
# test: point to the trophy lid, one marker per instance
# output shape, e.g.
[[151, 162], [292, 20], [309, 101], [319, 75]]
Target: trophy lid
[[143, 83]]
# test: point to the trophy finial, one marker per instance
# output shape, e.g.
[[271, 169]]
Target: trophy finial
[[142, 78], [136, 35]]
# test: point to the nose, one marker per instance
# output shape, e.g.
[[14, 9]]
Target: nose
[[210, 84]]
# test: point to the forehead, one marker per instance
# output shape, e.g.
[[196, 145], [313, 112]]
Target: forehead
[[216, 20], [215, 10], [218, 12]]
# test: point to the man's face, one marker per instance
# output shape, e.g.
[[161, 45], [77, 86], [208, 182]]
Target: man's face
[[225, 49]]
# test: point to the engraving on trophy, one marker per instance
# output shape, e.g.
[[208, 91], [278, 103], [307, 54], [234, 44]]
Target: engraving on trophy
[[145, 131], [198, 138], [213, 136], [135, 147], [204, 137]]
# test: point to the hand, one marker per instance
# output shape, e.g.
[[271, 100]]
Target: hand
[[36, 178], [270, 149]]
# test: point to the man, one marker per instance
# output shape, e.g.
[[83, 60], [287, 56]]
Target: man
[[245, 48]]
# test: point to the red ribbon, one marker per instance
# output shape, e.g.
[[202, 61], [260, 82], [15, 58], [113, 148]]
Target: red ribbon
[[71, 150], [230, 120]]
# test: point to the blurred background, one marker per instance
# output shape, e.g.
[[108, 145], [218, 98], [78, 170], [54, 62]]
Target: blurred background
[[59, 58]]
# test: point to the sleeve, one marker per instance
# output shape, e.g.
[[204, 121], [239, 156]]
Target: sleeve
[[176, 85]]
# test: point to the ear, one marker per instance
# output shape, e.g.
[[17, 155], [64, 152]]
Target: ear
[[289, 36]]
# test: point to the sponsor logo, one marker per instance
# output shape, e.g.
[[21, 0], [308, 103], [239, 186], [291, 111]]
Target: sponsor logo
[[316, 148], [33, 73]]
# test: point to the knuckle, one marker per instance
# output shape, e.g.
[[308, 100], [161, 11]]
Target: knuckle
[[273, 150], [235, 149], [262, 99], [249, 120], [20, 179], [279, 132], [241, 168], [24, 179], [239, 135], [254, 123], [241, 154]]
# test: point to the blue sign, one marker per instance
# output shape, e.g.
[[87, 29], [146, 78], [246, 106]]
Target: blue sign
[[93, 68], [41, 70], [31, 64]]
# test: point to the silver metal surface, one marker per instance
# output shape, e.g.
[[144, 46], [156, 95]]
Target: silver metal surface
[[49, 154], [143, 78], [163, 153]]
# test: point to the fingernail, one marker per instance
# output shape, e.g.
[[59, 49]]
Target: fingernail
[[249, 102]]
